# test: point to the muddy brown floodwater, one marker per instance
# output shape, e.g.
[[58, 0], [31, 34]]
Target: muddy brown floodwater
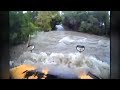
[[65, 42]]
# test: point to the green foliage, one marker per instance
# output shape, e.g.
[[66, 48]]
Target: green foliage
[[21, 26], [24, 24], [73, 19], [43, 20], [87, 21], [47, 20], [103, 17], [55, 21], [85, 26]]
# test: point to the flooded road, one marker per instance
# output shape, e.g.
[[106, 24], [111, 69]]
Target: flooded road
[[58, 49], [66, 42]]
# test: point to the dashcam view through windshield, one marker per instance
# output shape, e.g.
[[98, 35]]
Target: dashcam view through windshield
[[59, 44]]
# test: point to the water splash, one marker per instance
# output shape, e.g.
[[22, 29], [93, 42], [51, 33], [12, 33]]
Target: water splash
[[75, 61]]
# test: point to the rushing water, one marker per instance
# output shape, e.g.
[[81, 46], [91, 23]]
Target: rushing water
[[61, 45], [59, 27], [66, 41]]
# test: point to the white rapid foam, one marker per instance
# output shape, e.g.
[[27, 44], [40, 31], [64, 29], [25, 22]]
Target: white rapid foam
[[67, 40], [59, 27], [76, 61]]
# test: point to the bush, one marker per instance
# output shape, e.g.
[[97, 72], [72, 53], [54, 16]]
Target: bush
[[71, 20], [21, 26], [89, 22], [55, 21], [47, 20]]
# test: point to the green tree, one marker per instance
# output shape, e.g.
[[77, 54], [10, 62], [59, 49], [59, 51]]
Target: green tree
[[96, 22], [103, 17], [47, 20], [73, 19], [21, 26]]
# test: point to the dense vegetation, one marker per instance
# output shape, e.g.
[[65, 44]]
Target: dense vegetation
[[48, 19], [96, 22], [21, 25], [24, 24]]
